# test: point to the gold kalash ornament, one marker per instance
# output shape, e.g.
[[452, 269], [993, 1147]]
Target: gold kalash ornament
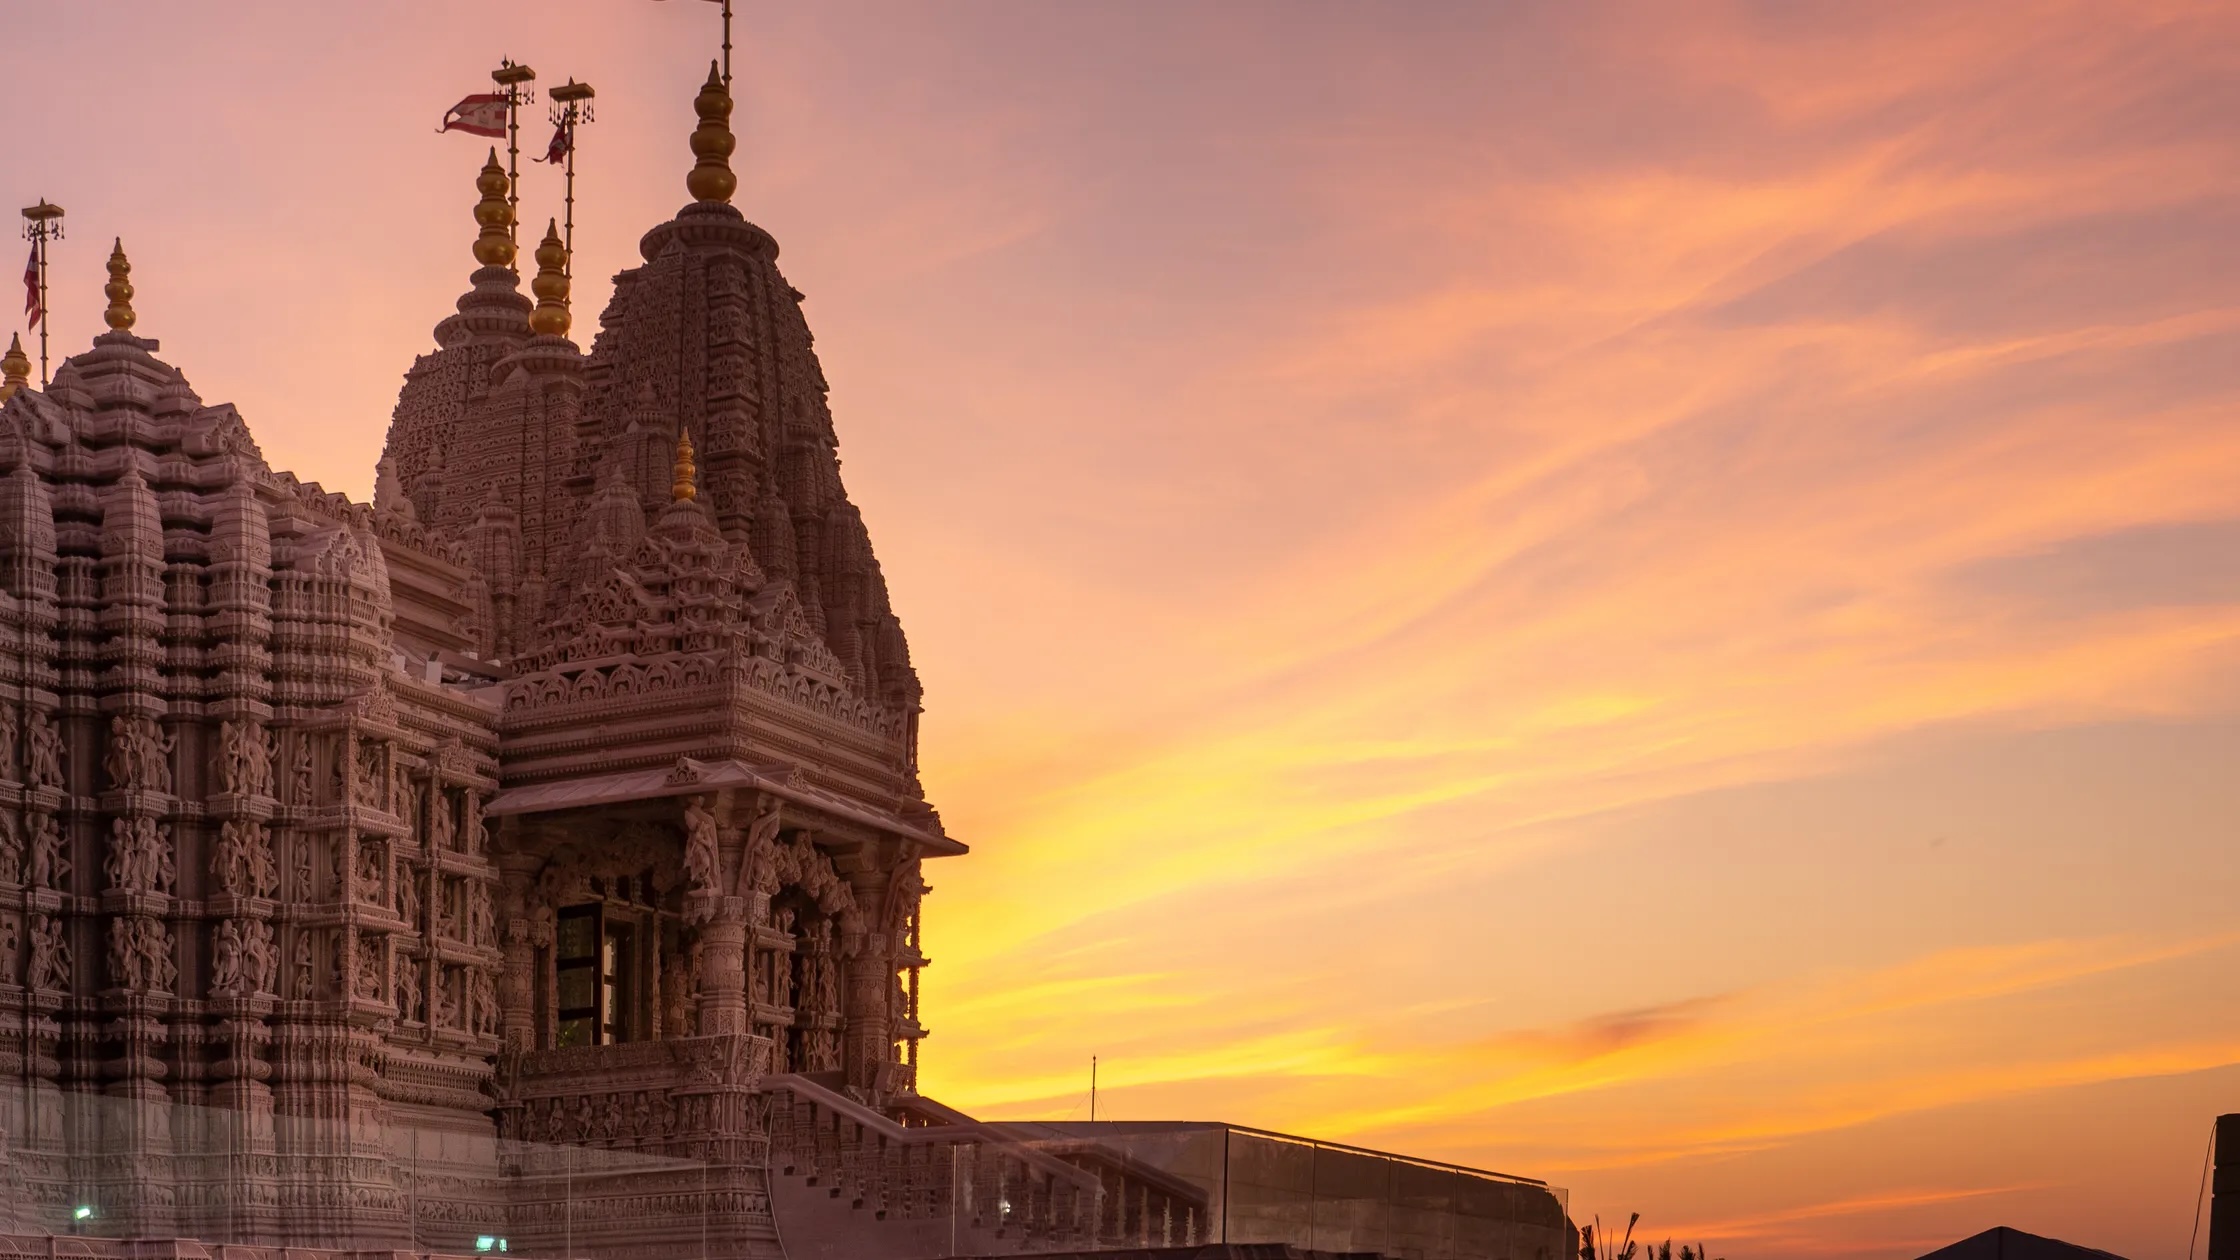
[[551, 317], [686, 488], [711, 178], [494, 247], [119, 316]]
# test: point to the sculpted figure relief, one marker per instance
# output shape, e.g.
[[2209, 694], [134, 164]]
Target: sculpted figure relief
[[482, 999], [8, 764], [46, 751], [306, 980], [299, 786], [701, 854], [140, 857], [409, 998], [243, 862], [50, 865], [759, 870], [139, 758], [49, 964], [244, 759], [11, 850], [479, 926], [442, 825], [140, 955]]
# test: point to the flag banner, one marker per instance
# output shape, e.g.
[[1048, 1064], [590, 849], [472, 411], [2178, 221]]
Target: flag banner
[[563, 139], [33, 312], [483, 114]]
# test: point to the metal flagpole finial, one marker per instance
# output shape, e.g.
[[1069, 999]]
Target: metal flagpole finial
[[571, 105], [42, 224], [513, 79]]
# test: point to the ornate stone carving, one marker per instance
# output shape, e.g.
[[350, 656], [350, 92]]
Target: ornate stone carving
[[139, 758], [241, 959], [45, 768], [702, 858], [48, 967], [140, 957], [245, 759], [50, 862]]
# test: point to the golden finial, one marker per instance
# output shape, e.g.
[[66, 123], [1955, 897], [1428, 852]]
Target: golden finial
[[686, 489], [551, 286], [119, 290], [711, 178], [494, 247], [16, 365]]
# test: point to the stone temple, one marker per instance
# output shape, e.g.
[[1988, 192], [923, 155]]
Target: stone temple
[[532, 860]]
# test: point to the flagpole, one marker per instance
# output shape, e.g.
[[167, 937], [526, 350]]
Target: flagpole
[[45, 224], [727, 43], [511, 77], [571, 104]]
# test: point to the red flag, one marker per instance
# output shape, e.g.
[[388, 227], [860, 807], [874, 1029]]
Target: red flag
[[482, 114], [563, 139], [33, 311]]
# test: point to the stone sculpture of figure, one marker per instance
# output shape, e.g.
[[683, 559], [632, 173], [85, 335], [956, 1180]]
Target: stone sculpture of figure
[[50, 865], [446, 1003], [50, 955], [264, 869], [127, 963], [303, 873], [369, 971], [46, 752], [155, 955], [760, 871], [482, 998], [300, 786], [124, 865], [470, 831], [231, 863], [7, 742], [408, 897], [371, 787], [11, 850], [123, 760], [245, 760], [442, 824], [166, 859], [228, 974], [408, 993], [262, 957], [11, 950], [479, 926], [371, 885], [306, 977], [701, 855]]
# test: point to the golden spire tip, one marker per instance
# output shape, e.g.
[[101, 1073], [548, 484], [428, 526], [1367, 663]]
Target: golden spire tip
[[686, 487], [494, 246], [551, 285], [15, 368], [711, 178], [119, 290]]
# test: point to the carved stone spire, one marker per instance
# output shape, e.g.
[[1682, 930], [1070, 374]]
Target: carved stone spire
[[711, 178], [119, 290], [15, 369], [551, 318], [494, 246]]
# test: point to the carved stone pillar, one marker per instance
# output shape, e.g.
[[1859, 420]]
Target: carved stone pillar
[[723, 967]]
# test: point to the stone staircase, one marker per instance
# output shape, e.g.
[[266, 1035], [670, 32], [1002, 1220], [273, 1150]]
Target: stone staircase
[[920, 1180]]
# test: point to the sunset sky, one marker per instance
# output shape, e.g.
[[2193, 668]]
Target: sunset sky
[[1646, 596]]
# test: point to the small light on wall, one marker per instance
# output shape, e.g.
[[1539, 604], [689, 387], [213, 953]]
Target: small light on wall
[[83, 1213]]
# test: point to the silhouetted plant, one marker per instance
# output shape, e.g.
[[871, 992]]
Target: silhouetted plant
[[1595, 1244]]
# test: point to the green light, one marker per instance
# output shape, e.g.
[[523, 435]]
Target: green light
[[485, 1242], [83, 1213]]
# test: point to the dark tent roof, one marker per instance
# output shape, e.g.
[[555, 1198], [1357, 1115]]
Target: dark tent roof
[[2003, 1243]]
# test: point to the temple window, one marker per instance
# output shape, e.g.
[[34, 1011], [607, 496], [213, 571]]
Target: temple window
[[597, 972]]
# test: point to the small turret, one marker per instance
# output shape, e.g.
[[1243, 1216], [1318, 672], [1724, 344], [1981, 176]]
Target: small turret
[[15, 369], [686, 488]]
